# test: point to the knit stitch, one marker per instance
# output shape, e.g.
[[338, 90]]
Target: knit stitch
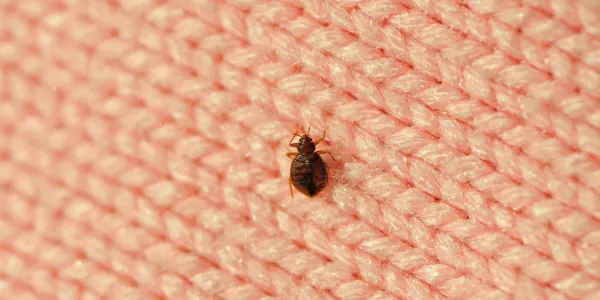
[[143, 142]]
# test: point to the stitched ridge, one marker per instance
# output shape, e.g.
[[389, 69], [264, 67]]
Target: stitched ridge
[[250, 188]]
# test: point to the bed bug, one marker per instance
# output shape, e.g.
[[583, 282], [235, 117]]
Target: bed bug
[[308, 171]]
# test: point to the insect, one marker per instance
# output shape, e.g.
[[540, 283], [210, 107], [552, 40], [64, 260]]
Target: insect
[[308, 171]]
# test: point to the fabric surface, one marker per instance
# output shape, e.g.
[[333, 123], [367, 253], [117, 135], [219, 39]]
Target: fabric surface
[[143, 149]]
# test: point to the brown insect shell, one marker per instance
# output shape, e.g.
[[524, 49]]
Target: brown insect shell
[[308, 171], [306, 145]]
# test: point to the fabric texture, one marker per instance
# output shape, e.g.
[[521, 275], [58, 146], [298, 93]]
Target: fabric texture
[[143, 149]]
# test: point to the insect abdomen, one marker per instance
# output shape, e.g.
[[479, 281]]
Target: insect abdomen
[[309, 174]]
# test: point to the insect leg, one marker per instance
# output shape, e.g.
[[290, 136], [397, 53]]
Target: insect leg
[[322, 138], [325, 152], [293, 137], [291, 191], [292, 155]]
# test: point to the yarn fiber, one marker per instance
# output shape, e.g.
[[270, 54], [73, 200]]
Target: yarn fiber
[[143, 149]]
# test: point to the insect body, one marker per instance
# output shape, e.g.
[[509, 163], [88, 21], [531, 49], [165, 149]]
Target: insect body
[[308, 172]]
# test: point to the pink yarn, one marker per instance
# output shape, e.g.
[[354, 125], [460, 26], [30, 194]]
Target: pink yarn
[[143, 149]]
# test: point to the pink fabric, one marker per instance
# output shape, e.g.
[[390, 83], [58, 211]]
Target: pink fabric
[[143, 149]]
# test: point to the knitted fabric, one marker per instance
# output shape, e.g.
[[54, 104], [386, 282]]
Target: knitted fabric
[[143, 149]]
